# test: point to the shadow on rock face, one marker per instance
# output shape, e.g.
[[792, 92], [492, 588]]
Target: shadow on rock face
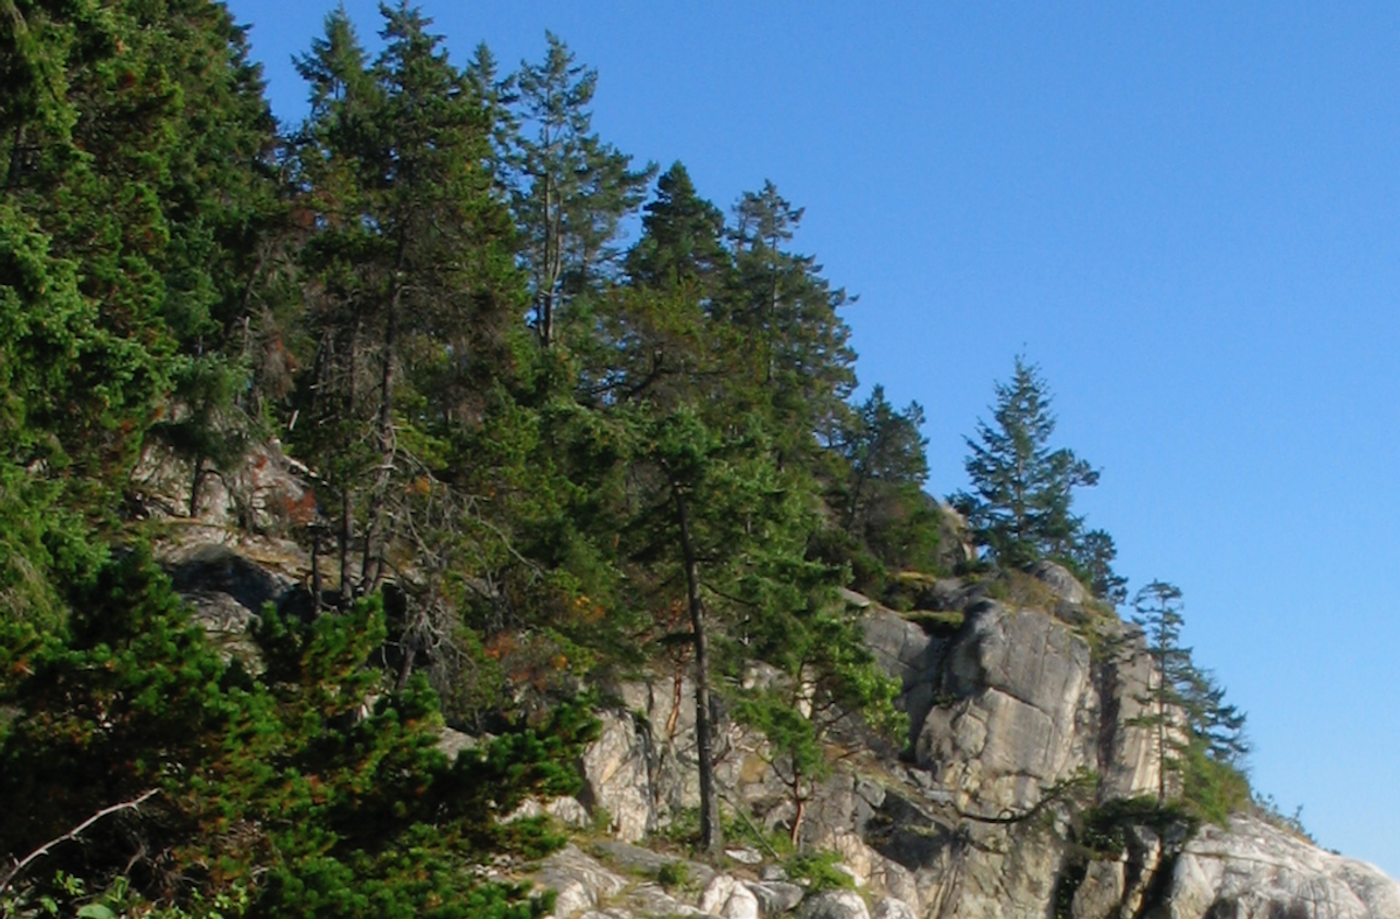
[[218, 569]]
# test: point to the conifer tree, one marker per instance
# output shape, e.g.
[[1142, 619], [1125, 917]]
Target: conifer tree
[[884, 520], [830, 680], [1023, 489], [134, 141], [1198, 737], [1157, 610], [414, 287], [274, 794], [780, 300], [572, 188], [655, 337], [884, 447], [682, 240], [1093, 556]]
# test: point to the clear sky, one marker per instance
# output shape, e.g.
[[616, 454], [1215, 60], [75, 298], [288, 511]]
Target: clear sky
[[1187, 213]]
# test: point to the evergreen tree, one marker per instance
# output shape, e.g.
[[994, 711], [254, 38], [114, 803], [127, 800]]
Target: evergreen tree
[[1157, 609], [884, 447], [875, 474], [655, 337], [1198, 737], [1022, 489], [273, 795], [1219, 727], [780, 301], [1093, 556], [719, 531], [682, 240], [830, 677], [134, 141], [414, 290], [573, 190]]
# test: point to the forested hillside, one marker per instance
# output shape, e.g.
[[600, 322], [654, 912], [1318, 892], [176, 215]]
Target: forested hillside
[[542, 455]]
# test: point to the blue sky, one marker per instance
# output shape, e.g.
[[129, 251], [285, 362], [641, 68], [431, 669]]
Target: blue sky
[[1187, 214]]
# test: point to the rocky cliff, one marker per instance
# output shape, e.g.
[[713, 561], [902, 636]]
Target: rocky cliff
[[1024, 723], [1024, 729]]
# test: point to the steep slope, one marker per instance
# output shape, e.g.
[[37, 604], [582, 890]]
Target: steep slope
[[1026, 740], [1025, 729]]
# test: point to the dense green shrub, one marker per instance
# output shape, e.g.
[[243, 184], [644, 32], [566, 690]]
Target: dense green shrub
[[288, 786], [1103, 829]]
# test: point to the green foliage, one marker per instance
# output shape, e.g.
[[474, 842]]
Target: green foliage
[[43, 544], [682, 240], [673, 875], [683, 828], [941, 624], [1092, 562], [800, 362], [1019, 507], [1158, 613], [1103, 829], [1213, 790], [679, 465], [828, 674], [571, 189], [820, 872], [135, 146], [837, 549], [412, 288], [1198, 737], [882, 502], [280, 785]]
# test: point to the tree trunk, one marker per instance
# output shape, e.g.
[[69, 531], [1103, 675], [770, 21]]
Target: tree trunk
[[16, 158], [799, 802], [1161, 731], [711, 835], [550, 275], [196, 480], [372, 567], [315, 530], [347, 520]]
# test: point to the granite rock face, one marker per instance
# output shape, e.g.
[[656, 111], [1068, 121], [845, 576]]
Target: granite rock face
[[1253, 871], [1010, 716], [1025, 705]]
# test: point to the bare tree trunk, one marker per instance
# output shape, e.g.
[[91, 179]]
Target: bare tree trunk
[[315, 568], [373, 553], [1161, 735], [347, 520], [799, 802], [551, 273], [196, 480], [711, 833]]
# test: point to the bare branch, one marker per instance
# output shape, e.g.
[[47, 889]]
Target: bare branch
[[73, 834]]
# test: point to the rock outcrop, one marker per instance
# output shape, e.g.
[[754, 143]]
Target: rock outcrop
[[1023, 715], [1021, 720], [1253, 871]]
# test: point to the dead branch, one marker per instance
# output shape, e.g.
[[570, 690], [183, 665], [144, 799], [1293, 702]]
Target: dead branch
[[73, 834]]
